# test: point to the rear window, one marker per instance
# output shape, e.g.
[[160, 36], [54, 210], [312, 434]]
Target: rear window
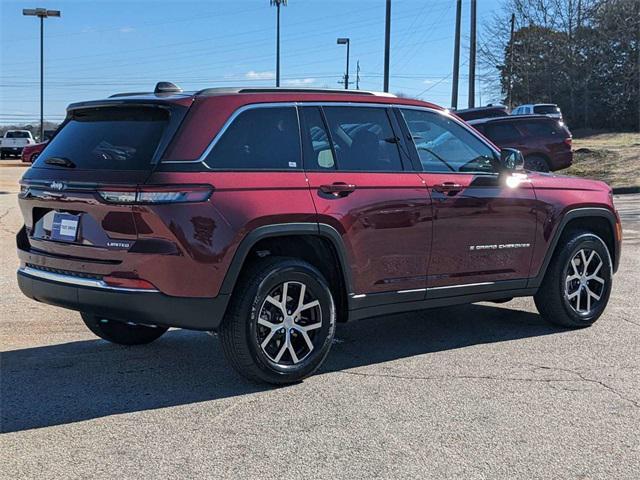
[[545, 109], [18, 135], [542, 128], [108, 139], [259, 139]]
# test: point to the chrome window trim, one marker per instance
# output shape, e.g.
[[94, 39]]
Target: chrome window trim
[[296, 105], [78, 281]]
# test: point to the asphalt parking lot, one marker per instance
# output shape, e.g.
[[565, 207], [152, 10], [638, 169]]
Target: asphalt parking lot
[[479, 391]]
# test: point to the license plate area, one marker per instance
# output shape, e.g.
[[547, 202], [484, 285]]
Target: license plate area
[[64, 227]]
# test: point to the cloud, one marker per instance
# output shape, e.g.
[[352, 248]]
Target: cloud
[[429, 82], [127, 29], [253, 75], [299, 82]]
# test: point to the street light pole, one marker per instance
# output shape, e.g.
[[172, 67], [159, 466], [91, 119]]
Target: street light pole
[[345, 41], [41, 13], [277, 3], [472, 56]]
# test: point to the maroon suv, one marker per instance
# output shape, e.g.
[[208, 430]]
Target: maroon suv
[[545, 142], [271, 214]]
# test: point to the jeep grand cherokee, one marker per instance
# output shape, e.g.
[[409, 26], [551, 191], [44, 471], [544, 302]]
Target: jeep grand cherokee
[[269, 215]]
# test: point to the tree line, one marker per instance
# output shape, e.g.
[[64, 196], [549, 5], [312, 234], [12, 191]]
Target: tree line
[[583, 55]]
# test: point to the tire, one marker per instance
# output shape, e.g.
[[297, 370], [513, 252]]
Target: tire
[[121, 333], [266, 343], [568, 273], [536, 163]]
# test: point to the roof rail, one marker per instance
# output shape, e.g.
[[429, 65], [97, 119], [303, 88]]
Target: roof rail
[[226, 90]]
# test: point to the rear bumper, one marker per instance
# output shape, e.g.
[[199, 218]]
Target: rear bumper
[[146, 306], [561, 160], [12, 150]]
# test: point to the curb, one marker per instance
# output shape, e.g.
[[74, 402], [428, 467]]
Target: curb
[[626, 190]]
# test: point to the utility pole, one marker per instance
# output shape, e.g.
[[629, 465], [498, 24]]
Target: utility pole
[[387, 44], [41, 13], [511, 49], [277, 3], [358, 75], [472, 56], [456, 58]]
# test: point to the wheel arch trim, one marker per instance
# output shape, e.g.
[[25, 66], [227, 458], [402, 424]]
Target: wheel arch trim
[[281, 230], [573, 214]]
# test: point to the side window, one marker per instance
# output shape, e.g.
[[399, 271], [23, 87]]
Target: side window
[[445, 146], [541, 128], [259, 138], [363, 139], [318, 151], [501, 132]]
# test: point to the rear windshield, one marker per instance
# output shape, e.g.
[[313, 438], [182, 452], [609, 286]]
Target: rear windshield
[[545, 109], [122, 138], [18, 135]]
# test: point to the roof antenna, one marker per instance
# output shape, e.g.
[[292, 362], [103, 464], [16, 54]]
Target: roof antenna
[[167, 87]]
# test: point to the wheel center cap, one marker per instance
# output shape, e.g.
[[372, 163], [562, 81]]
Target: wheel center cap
[[583, 281], [288, 322]]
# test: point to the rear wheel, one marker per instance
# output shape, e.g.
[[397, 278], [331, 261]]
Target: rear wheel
[[536, 163], [281, 321], [577, 285], [120, 332]]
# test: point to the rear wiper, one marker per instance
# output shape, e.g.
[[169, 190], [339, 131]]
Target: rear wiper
[[60, 161]]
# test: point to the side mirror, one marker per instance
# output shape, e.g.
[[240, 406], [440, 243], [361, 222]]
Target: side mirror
[[511, 159]]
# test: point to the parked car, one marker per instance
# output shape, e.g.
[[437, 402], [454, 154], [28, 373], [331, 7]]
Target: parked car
[[549, 109], [489, 111], [14, 141], [268, 215], [544, 142], [31, 152]]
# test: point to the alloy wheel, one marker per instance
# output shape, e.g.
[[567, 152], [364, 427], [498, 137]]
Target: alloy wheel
[[288, 323], [584, 287]]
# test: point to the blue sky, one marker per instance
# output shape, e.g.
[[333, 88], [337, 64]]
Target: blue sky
[[101, 47]]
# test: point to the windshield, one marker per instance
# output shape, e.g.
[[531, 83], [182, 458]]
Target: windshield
[[18, 135], [545, 109], [113, 138]]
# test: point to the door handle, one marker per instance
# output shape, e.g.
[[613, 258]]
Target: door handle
[[338, 189], [448, 188]]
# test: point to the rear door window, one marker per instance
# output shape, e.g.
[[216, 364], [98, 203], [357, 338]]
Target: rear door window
[[259, 139], [363, 139], [317, 146], [501, 132], [108, 139]]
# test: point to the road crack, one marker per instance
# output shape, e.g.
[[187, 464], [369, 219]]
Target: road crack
[[581, 379]]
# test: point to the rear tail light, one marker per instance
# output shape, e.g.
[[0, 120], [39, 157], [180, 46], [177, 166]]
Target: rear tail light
[[567, 141], [155, 195]]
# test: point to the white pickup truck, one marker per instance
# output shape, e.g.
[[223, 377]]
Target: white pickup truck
[[14, 141]]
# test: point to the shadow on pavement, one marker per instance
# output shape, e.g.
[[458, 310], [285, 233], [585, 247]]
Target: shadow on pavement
[[71, 382]]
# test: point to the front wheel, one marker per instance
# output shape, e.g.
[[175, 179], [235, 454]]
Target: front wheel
[[577, 285], [281, 321], [120, 332]]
